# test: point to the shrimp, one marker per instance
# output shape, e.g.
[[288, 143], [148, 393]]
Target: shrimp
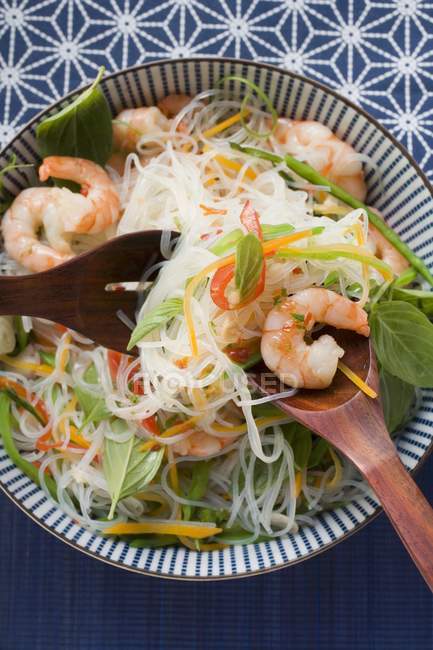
[[132, 123], [383, 249], [201, 444], [317, 145], [60, 212], [284, 349], [173, 104]]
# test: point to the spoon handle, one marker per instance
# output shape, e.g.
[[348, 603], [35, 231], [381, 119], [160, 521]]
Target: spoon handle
[[408, 510], [50, 294]]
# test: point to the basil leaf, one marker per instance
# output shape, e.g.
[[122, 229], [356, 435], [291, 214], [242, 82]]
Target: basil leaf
[[227, 242], [155, 318], [397, 398], [318, 452], [127, 469], [248, 265], [210, 515], [403, 341], [82, 129], [302, 445], [197, 490], [301, 440], [9, 167], [423, 300], [94, 407], [271, 232]]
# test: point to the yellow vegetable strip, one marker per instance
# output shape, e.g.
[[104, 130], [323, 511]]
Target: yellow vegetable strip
[[360, 383], [235, 166], [225, 124], [181, 528], [338, 473], [172, 431], [65, 354], [37, 368], [242, 428], [298, 484], [174, 476], [268, 247], [359, 233]]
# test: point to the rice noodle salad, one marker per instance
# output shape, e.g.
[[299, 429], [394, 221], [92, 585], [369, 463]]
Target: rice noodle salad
[[172, 444]]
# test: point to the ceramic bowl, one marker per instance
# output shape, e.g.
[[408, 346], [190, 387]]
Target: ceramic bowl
[[397, 187]]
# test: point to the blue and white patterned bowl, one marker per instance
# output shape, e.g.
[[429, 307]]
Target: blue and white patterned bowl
[[402, 193]]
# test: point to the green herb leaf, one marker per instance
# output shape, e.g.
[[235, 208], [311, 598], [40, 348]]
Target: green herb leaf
[[127, 469], [155, 318], [248, 265], [227, 242], [272, 232], [320, 447], [397, 398], [94, 407], [10, 448], [403, 341], [82, 130], [9, 167], [423, 300], [301, 440], [197, 490]]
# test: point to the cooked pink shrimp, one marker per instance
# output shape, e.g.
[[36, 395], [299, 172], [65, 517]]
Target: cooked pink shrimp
[[132, 123], [59, 211], [383, 249], [284, 349], [201, 444], [317, 145], [97, 187], [173, 104]]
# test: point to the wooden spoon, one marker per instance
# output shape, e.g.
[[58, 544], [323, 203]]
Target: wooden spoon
[[353, 423], [74, 294]]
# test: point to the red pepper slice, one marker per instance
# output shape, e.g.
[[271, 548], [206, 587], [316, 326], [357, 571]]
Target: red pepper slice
[[250, 219], [223, 277]]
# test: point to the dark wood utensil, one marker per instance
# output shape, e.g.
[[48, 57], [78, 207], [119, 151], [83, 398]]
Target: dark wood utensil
[[74, 294], [354, 424]]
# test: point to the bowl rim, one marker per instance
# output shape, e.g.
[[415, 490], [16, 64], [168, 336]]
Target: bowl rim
[[330, 91]]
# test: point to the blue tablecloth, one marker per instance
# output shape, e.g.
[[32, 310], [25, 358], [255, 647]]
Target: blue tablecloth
[[363, 594]]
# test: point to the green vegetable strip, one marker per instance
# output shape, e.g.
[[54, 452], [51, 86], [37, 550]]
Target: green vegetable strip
[[226, 243], [314, 254], [9, 446], [253, 88], [19, 401], [312, 176]]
